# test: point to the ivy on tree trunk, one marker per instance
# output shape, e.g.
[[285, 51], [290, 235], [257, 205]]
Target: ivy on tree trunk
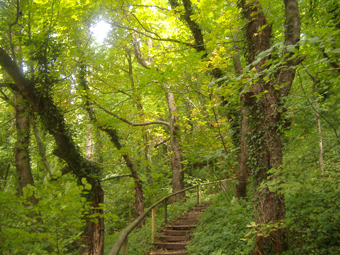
[[264, 105]]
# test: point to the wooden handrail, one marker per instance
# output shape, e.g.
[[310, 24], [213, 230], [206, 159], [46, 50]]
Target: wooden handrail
[[123, 236]]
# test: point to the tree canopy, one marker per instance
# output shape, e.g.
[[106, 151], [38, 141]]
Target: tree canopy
[[175, 93]]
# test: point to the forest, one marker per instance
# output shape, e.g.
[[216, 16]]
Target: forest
[[108, 106]]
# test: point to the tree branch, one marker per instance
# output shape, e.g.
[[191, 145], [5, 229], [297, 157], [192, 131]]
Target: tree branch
[[146, 35], [161, 122], [333, 63], [321, 115], [149, 6], [143, 26], [10, 85], [161, 142], [116, 177], [138, 53]]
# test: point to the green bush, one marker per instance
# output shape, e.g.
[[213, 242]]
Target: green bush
[[313, 216], [223, 226], [53, 226]]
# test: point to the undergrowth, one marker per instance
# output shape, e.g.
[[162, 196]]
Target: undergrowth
[[140, 239], [222, 226]]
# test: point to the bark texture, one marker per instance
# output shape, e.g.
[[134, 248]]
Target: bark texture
[[242, 171], [97, 230], [176, 156], [193, 26], [265, 143], [42, 150], [22, 160]]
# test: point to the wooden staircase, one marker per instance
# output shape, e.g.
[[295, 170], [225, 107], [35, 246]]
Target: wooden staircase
[[177, 234]]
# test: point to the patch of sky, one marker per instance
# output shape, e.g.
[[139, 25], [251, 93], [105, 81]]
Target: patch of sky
[[100, 30]]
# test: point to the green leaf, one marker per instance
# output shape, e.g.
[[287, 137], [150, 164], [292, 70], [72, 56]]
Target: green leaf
[[314, 40], [83, 181], [88, 186], [336, 50], [291, 48]]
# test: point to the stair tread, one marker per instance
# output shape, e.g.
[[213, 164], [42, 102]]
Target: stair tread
[[169, 252], [176, 234]]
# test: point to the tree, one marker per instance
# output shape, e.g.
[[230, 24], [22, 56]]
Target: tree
[[266, 95]]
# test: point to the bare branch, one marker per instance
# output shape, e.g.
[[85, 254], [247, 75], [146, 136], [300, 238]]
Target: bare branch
[[5, 97], [143, 26], [149, 6], [333, 63], [118, 90], [9, 85], [309, 74], [328, 70], [138, 53], [146, 35], [18, 14], [116, 177], [316, 111], [161, 142], [161, 122]]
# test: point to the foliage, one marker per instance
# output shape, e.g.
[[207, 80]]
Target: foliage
[[51, 39], [222, 228], [312, 205], [51, 227]]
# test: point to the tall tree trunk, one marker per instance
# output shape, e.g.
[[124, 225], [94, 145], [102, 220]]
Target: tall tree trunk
[[22, 160], [42, 150], [242, 171], [176, 155], [96, 229], [318, 123], [265, 143]]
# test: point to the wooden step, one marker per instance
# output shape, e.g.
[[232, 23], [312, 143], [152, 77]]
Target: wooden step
[[169, 252], [169, 232], [193, 218], [177, 233], [170, 246], [174, 238], [180, 227], [184, 222], [193, 214]]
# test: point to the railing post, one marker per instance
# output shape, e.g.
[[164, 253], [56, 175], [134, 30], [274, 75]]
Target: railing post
[[165, 211], [153, 224], [199, 195], [125, 247]]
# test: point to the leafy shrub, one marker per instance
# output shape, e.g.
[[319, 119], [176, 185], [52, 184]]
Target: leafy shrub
[[222, 227], [53, 226], [313, 216]]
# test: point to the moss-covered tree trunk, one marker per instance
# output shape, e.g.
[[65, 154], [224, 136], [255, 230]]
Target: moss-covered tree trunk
[[22, 155], [264, 103], [66, 149]]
